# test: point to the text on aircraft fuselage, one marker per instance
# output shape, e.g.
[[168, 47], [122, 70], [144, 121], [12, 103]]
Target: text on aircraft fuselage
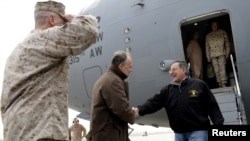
[[94, 51]]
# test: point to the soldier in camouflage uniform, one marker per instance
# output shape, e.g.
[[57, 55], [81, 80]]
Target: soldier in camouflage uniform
[[34, 102], [77, 131], [217, 51]]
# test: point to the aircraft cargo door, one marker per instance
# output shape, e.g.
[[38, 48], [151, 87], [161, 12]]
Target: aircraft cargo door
[[202, 26]]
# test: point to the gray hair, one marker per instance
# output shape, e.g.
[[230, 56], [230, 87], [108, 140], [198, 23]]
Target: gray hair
[[119, 57], [183, 65]]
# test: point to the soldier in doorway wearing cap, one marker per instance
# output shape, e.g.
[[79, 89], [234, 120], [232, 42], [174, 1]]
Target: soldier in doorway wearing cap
[[34, 100], [217, 52]]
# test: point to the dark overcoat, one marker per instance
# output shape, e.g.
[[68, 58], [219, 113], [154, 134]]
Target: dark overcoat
[[111, 111]]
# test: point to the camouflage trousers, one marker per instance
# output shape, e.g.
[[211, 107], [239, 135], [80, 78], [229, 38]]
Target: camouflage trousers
[[219, 64]]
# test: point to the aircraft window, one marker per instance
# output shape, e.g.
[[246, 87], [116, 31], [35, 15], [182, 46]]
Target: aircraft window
[[126, 30], [127, 40]]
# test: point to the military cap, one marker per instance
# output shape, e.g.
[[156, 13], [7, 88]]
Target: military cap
[[52, 6]]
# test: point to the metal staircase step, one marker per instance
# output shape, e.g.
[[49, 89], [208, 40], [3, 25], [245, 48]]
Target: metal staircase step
[[227, 103]]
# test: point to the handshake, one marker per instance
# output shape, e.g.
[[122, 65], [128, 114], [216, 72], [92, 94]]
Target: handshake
[[136, 111]]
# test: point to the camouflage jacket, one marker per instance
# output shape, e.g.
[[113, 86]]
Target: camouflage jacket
[[217, 44], [34, 102]]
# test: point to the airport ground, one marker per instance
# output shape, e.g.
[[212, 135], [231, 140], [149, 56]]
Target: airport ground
[[140, 133]]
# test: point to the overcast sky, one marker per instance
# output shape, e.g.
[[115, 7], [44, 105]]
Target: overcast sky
[[17, 21]]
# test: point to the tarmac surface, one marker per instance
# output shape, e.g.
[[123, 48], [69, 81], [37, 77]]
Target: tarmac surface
[[140, 133]]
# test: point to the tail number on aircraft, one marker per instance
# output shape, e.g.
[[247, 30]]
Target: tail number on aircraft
[[74, 59]]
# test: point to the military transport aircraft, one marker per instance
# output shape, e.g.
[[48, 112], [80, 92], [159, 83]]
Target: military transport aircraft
[[156, 32]]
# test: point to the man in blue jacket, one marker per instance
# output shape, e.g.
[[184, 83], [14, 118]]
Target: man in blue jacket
[[189, 104]]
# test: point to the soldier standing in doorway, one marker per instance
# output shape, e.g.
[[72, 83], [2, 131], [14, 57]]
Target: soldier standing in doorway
[[217, 52]]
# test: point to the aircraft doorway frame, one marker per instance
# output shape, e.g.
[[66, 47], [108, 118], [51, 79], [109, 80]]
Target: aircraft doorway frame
[[201, 23]]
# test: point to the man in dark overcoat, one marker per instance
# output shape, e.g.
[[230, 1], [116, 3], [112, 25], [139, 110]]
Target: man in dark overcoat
[[110, 108]]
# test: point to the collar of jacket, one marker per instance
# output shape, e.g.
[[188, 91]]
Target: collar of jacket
[[118, 72], [183, 81]]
